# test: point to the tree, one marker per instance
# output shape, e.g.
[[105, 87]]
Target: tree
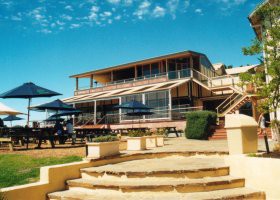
[[268, 50]]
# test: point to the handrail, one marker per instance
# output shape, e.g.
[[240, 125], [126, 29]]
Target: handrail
[[233, 100], [226, 100], [101, 119]]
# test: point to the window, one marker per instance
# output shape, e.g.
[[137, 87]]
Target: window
[[146, 70], [139, 71], [159, 101], [155, 68]]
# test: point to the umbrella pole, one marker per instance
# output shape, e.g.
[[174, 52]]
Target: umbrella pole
[[28, 114]]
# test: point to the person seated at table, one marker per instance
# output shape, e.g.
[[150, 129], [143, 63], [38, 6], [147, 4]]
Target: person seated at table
[[70, 132], [46, 133], [59, 131], [1, 123]]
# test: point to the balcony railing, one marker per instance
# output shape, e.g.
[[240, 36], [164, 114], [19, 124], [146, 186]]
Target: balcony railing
[[210, 82], [143, 80], [176, 113]]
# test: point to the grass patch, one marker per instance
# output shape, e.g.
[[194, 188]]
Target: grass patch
[[22, 169]]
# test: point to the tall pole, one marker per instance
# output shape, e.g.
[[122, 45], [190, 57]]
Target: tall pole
[[28, 114]]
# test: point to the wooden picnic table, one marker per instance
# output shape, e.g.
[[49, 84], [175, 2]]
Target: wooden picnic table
[[90, 133], [23, 135], [125, 130], [170, 129]]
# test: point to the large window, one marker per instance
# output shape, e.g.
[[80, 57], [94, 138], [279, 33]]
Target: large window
[[159, 101], [136, 97]]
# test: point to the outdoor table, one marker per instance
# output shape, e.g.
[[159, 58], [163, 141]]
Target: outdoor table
[[91, 133], [169, 130], [125, 130], [45, 134]]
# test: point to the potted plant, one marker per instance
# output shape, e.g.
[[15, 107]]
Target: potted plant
[[151, 140], [103, 146], [136, 140], [161, 132]]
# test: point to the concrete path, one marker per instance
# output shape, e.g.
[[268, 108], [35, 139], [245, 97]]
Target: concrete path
[[183, 144]]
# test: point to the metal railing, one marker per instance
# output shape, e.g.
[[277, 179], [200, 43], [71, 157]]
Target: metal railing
[[229, 102], [170, 75], [176, 113]]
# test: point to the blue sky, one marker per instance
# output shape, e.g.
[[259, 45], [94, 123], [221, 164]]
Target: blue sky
[[46, 41]]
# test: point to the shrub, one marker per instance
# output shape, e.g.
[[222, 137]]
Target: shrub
[[108, 138], [161, 131], [137, 133], [199, 124]]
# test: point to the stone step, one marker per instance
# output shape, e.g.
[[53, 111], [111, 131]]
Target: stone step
[[182, 185], [100, 194], [190, 173], [173, 166]]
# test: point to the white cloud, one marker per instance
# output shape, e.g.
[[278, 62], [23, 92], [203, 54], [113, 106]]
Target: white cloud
[[172, 6], [114, 1], [158, 12], [66, 17], [94, 9], [73, 26], [45, 31], [106, 14], [143, 9], [101, 12], [93, 15], [17, 17], [186, 3], [198, 11], [68, 7], [228, 4], [128, 2], [118, 17]]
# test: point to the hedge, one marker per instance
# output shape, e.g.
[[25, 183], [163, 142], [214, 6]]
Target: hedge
[[199, 124]]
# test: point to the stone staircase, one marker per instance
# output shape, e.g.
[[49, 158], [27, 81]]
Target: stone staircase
[[221, 133], [172, 177]]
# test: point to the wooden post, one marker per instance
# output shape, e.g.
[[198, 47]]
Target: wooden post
[[77, 83], [112, 76], [91, 81], [170, 103], [166, 65], [94, 114], [191, 62], [135, 72], [254, 108]]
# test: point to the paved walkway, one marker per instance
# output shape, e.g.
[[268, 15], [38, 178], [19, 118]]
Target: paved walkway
[[183, 144]]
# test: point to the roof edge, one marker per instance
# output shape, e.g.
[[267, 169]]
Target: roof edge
[[139, 61]]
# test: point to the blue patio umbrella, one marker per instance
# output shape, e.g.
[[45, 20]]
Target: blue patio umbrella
[[12, 118], [54, 119], [56, 105], [139, 112], [67, 113], [28, 91], [133, 105]]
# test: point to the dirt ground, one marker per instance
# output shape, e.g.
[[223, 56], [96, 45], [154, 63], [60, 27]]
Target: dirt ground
[[46, 150]]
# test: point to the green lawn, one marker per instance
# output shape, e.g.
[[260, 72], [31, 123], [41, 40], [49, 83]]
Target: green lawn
[[22, 169]]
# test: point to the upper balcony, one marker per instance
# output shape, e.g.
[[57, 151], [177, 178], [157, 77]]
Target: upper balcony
[[149, 71], [133, 82]]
